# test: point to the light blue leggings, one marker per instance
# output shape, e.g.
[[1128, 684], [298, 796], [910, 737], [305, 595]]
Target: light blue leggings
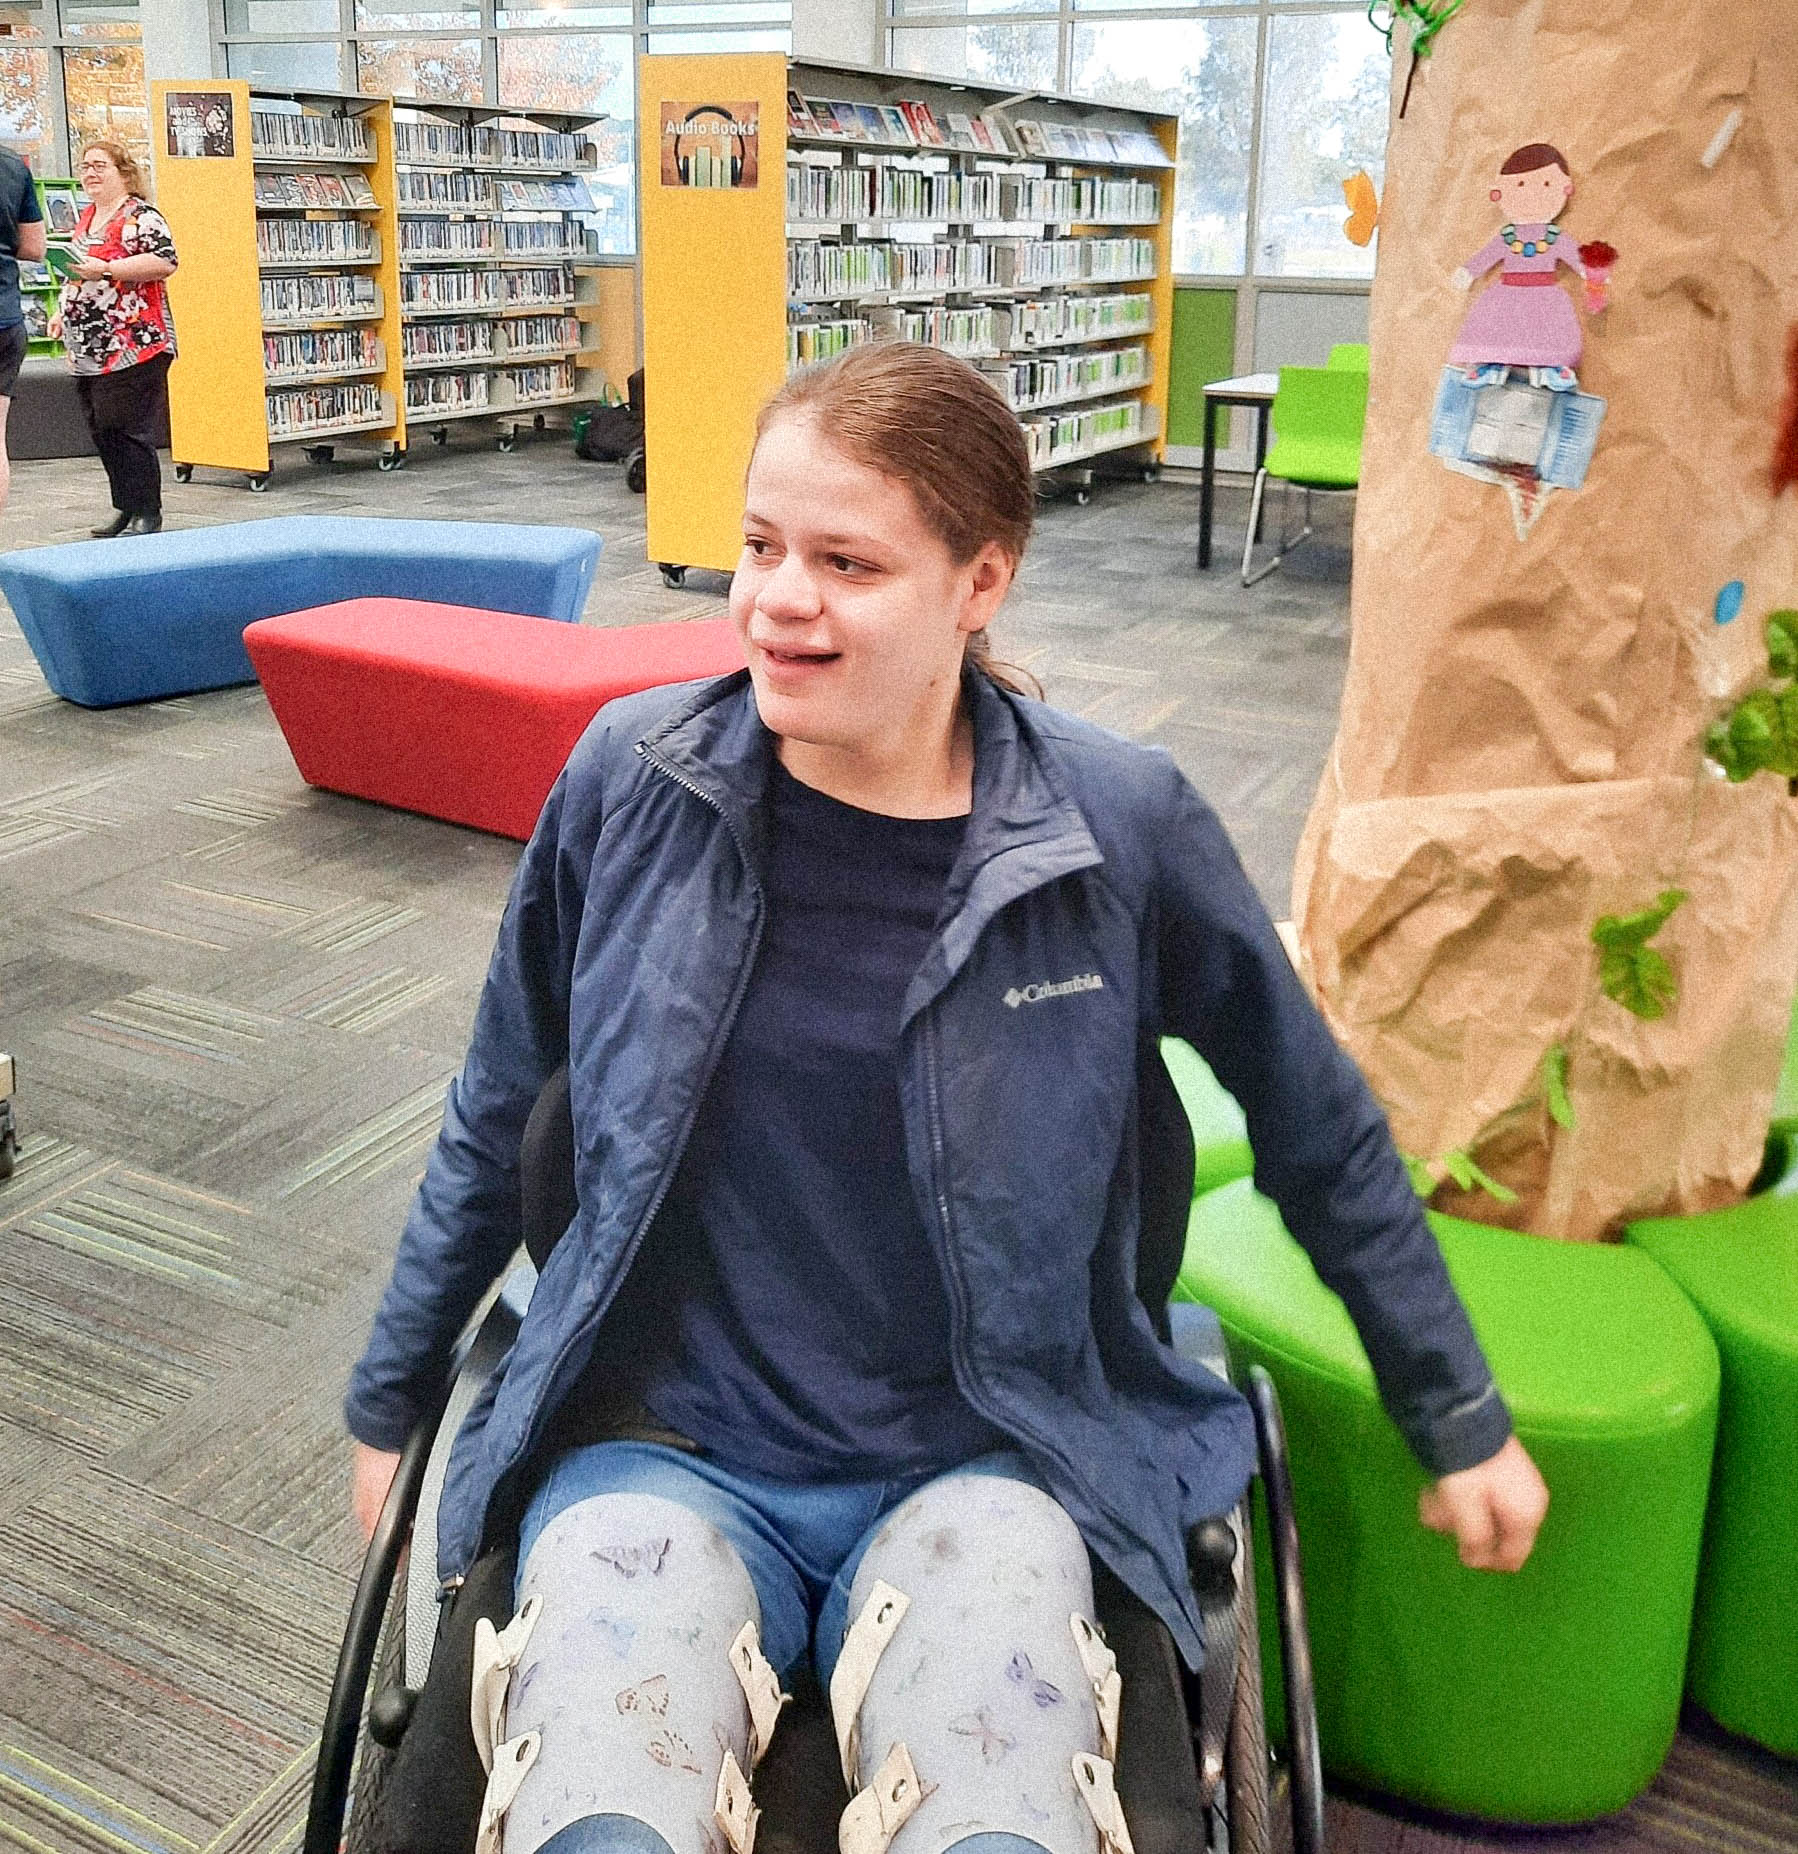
[[641, 1565]]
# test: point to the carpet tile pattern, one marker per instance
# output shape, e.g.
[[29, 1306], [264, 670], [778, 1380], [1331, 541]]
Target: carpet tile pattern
[[235, 1004]]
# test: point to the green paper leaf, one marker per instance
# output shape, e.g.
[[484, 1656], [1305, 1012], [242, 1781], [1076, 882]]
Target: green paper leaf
[[1782, 643], [1554, 1086], [1469, 1176], [1622, 932], [1720, 746], [1640, 980]]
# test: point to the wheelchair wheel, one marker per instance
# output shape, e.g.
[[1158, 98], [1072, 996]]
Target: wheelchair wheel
[[369, 1784], [1248, 1798]]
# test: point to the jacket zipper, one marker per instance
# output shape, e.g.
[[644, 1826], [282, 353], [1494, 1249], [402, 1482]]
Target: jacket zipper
[[727, 1023]]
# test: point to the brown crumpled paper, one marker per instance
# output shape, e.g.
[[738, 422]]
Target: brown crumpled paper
[[1521, 742]]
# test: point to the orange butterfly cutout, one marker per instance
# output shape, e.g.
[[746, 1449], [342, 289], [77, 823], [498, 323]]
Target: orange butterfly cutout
[[1364, 208]]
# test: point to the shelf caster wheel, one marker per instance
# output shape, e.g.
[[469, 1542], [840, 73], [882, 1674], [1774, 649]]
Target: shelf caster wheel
[[391, 460], [9, 1150], [537, 422], [440, 437], [320, 453], [1081, 497], [184, 473], [674, 576], [1151, 473], [259, 481], [507, 440]]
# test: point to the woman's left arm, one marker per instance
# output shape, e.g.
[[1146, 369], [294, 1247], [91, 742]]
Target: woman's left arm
[[1324, 1154]]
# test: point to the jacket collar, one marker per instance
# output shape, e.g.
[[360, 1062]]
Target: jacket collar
[[1025, 829]]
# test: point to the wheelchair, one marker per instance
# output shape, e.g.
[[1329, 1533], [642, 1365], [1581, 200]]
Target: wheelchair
[[1194, 1767]]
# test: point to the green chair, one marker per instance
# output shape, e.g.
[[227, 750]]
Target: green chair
[[1350, 354], [1740, 1269], [1317, 415], [1551, 1696], [1220, 1135]]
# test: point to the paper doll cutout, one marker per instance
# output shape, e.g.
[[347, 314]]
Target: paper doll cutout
[[1524, 319], [1363, 202], [1530, 441]]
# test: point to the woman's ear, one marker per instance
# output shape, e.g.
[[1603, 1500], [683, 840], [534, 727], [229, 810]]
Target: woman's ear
[[989, 579]]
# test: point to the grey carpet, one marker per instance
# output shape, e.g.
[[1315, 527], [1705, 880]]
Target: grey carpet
[[235, 1003]]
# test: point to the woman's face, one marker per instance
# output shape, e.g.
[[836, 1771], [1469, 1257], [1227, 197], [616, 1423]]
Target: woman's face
[[853, 613], [100, 177]]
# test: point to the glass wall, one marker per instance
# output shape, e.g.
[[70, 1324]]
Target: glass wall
[[1279, 102], [71, 71], [573, 55]]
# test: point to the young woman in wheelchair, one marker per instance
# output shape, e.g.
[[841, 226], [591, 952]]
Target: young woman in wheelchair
[[851, 959]]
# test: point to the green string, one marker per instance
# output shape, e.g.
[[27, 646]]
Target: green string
[[1426, 19]]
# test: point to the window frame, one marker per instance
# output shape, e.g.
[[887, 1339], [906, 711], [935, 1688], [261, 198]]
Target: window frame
[[58, 157]]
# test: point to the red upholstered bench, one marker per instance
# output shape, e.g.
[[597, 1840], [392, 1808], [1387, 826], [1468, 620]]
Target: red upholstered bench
[[461, 714]]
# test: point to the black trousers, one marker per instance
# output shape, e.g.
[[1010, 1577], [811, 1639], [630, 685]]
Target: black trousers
[[124, 413]]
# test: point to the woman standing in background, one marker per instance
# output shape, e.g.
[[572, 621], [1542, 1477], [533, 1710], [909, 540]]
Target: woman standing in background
[[118, 331]]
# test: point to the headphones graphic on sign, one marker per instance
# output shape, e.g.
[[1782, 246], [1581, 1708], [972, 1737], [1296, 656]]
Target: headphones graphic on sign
[[684, 162]]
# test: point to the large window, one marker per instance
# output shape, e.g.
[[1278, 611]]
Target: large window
[[71, 73], [577, 56], [1278, 104]]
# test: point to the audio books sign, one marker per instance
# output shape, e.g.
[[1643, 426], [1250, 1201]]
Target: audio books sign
[[710, 144]]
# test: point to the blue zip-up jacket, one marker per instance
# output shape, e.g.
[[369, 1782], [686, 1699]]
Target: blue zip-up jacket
[[1096, 899]]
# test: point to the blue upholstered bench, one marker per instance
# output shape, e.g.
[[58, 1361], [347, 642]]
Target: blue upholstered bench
[[163, 614]]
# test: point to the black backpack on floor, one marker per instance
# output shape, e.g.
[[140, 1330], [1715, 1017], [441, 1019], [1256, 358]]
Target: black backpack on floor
[[613, 432]]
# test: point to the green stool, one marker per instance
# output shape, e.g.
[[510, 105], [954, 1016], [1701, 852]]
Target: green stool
[[1220, 1135], [1740, 1268], [1551, 1696]]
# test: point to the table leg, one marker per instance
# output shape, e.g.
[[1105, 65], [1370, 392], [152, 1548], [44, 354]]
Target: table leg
[[1207, 483], [1261, 413]]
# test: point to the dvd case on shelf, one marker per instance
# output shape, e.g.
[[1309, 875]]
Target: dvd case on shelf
[[440, 343], [294, 412], [334, 295], [277, 135]]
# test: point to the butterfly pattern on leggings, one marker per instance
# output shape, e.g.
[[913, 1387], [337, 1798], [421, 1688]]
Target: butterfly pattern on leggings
[[979, 1725], [672, 1752], [636, 1560], [649, 1695], [1021, 1674]]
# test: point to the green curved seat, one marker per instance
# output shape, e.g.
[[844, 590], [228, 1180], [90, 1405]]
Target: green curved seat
[[1551, 1696], [1740, 1269], [1220, 1135]]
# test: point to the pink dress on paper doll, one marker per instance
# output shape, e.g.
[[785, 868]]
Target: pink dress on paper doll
[[1524, 319]]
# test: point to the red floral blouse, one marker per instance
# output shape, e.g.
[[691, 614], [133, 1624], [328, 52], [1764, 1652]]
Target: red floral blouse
[[108, 325]]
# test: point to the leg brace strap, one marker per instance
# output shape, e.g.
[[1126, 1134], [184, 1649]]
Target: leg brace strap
[[863, 1646], [496, 1653], [878, 1813]]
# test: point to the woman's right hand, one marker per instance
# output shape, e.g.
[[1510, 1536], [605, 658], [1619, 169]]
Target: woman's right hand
[[371, 1474]]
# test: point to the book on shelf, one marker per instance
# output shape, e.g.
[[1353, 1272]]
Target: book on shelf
[[280, 136], [549, 380], [1004, 142], [322, 350], [294, 411], [982, 132], [825, 116], [873, 126], [927, 132], [897, 126], [961, 132], [849, 125], [446, 340], [430, 290], [319, 298], [800, 120], [1031, 139], [447, 392], [322, 241]]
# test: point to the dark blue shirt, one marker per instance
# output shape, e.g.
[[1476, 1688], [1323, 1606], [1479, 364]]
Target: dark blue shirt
[[18, 206], [803, 1321]]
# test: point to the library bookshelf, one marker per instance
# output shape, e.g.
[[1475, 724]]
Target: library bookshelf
[[286, 301], [358, 271], [792, 209], [494, 266]]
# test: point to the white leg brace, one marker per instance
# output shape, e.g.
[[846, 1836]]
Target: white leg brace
[[630, 1683], [973, 1694]]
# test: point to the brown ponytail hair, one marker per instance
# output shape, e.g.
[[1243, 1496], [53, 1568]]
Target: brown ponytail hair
[[931, 422]]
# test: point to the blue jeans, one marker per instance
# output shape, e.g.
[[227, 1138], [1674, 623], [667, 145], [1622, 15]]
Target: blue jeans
[[801, 1544]]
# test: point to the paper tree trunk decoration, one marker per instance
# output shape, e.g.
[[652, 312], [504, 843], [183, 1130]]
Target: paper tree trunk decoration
[[1567, 547]]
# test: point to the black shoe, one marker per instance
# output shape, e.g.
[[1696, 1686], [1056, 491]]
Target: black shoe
[[119, 523], [143, 524]]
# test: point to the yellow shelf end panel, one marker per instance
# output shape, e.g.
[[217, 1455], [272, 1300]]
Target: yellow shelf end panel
[[1166, 130], [206, 189], [713, 141], [379, 117]]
